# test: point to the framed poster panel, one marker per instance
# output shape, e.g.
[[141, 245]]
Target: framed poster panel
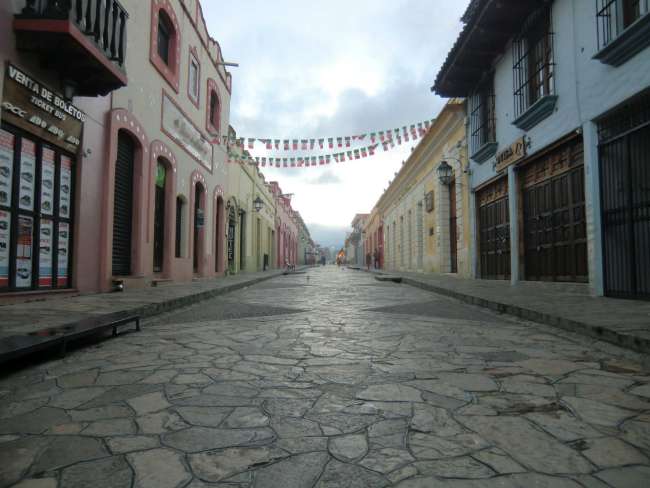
[[5, 240], [27, 175], [6, 167], [24, 244], [47, 182], [45, 249], [63, 254]]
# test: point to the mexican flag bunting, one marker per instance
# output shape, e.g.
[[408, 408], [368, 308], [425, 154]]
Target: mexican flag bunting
[[350, 155], [263, 162], [347, 142], [373, 137], [314, 160], [278, 161], [414, 133], [330, 142], [304, 144], [336, 158], [312, 143], [300, 162], [241, 142], [385, 145], [371, 149], [284, 162], [251, 143], [269, 144], [321, 160], [381, 136], [427, 124], [361, 137], [321, 142], [392, 143], [328, 159], [292, 161], [364, 152], [277, 144], [420, 129], [356, 154], [294, 144], [257, 160], [399, 139], [339, 141], [285, 143], [406, 136]]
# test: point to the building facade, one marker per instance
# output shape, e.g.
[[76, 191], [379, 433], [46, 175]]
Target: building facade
[[558, 129], [113, 162], [285, 227], [425, 216]]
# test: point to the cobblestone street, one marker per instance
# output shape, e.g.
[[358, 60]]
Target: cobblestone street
[[330, 379]]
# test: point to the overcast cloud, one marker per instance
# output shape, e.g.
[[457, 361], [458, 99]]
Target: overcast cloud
[[326, 69]]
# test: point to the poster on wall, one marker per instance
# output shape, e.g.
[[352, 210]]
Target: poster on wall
[[24, 252], [5, 239], [65, 180], [64, 251], [45, 254], [27, 175], [6, 166], [47, 182]]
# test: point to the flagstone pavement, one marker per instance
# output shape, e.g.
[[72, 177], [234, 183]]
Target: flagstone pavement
[[330, 379]]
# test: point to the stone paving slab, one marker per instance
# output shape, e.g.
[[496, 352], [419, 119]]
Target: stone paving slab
[[23, 318], [570, 306], [332, 393]]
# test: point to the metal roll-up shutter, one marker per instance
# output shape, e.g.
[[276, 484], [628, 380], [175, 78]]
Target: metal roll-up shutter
[[123, 206]]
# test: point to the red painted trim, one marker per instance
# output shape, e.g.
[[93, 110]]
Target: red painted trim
[[68, 27], [169, 72], [177, 142], [194, 56]]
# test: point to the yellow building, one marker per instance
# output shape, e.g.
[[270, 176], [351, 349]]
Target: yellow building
[[425, 209]]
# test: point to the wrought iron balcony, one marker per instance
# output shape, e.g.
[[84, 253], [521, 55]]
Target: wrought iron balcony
[[85, 40]]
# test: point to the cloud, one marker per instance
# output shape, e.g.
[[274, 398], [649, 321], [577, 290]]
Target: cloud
[[335, 68], [326, 178]]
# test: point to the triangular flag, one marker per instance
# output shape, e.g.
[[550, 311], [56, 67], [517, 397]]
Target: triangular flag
[[330, 142], [312, 143], [321, 142], [356, 154], [251, 143], [373, 137], [277, 144], [328, 159], [303, 144], [347, 142], [339, 141], [295, 144], [285, 144]]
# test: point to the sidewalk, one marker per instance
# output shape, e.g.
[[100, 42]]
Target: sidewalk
[[569, 306], [22, 318]]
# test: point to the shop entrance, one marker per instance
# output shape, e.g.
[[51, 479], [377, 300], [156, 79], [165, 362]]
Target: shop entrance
[[36, 195], [555, 236], [159, 218], [625, 200], [123, 205], [453, 232], [494, 231]]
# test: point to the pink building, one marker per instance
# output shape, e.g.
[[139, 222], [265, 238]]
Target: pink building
[[286, 228], [110, 166]]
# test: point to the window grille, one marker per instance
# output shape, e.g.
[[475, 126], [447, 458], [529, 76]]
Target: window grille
[[482, 117], [533, 63], [614, 16]]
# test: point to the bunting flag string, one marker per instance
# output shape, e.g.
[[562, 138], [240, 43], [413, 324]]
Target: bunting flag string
[[304, 161], [390, 136]]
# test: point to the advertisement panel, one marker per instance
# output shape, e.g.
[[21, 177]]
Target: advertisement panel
[[24, 252], [27, 175], [45, 254], [65, 181], [5, 239], [6, 166], [47, 182], [63, 253]]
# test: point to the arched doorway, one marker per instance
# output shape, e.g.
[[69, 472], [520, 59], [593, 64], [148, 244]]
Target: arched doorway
[[161, 182], [199, 223], [219, 236], [123, 205]]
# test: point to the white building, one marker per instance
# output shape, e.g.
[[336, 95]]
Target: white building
[[559, 139]]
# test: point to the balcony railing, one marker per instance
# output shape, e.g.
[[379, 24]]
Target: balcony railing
[[102, 21]]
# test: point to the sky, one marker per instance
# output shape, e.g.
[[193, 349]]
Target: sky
[[333, 68]]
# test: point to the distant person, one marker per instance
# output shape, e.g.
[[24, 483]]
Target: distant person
[[368, 260]]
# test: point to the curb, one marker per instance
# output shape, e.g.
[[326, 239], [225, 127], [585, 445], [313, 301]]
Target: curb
[[638, 344]]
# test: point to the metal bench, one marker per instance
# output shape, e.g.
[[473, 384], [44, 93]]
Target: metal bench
[[15, 346]]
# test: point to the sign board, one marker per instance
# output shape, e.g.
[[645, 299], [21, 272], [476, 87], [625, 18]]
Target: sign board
[[512, 154], [184, 133], [35, 108]]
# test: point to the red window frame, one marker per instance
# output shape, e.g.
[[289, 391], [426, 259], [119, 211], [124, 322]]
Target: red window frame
[[169, 71]]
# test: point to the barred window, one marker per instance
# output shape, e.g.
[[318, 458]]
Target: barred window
[[534, 66], [482, 115], [614, 16]]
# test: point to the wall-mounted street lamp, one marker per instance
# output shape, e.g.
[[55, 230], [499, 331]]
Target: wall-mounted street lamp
[[258, 204], [444, 173]]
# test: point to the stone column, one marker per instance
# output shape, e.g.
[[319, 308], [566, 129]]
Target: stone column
[[593, 209]]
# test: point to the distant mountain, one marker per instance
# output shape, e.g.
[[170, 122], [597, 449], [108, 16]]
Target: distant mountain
[[328, 236]]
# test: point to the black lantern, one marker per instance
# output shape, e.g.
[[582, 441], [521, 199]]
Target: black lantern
[[258, 204], [444, 173]]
